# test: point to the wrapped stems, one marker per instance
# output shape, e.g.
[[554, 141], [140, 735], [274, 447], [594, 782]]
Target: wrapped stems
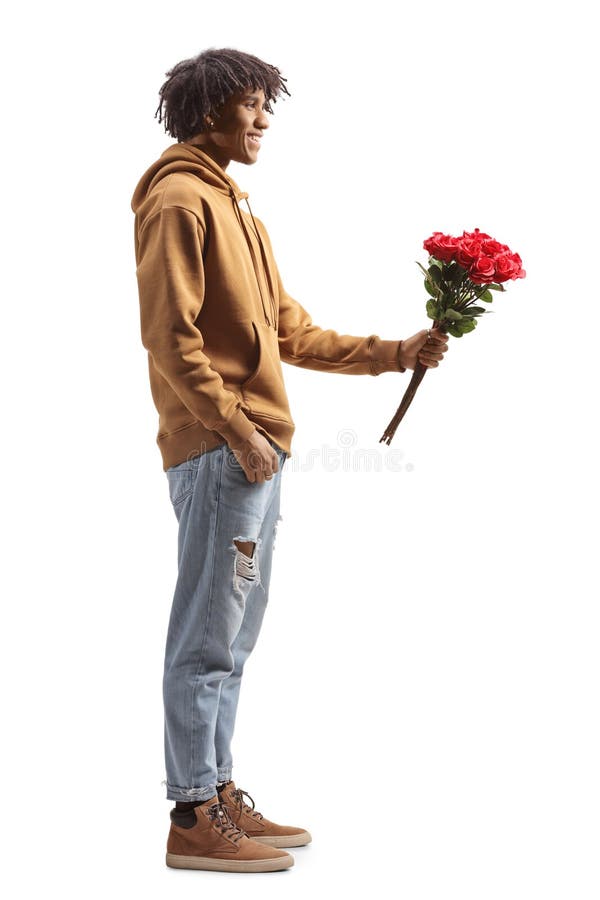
[[407, 399]]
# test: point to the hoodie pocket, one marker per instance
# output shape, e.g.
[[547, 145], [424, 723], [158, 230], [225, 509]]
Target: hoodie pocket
[[264, 391]]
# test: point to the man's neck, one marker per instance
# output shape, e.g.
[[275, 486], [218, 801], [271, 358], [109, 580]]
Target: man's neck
[[211, 151]]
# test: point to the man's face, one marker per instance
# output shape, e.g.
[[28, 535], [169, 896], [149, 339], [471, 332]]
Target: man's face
[[238, 129]]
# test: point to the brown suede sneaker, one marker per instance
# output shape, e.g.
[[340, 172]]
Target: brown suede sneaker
[[254, 823], [218, 844]]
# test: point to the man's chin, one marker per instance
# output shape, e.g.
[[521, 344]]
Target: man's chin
[[246, 160]]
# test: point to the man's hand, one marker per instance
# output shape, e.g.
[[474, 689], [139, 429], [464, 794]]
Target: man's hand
[[427, 347], [257, 458]]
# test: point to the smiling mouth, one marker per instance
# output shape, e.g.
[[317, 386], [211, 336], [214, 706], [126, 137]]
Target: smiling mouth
[[254, 138]]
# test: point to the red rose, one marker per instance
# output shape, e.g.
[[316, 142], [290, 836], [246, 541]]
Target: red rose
[[482, 271], [441, 246], [508, 266], [468, 252], [476, 235], [493, 248], [518, 262]]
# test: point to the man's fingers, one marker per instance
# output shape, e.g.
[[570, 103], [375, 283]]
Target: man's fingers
[[433, 349], [262, 470], [439, 337], [433, 338], [428, 353]]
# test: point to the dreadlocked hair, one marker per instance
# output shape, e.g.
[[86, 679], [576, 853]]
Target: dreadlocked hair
[[200, 86]]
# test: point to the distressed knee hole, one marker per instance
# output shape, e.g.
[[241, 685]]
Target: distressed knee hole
[[247, 547], [245, 562]]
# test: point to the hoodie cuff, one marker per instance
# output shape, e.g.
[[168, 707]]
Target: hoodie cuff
[[385, 356], [237, 429], [401, 368]]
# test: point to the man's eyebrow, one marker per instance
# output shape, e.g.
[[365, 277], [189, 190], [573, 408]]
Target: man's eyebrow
[[251, 97]]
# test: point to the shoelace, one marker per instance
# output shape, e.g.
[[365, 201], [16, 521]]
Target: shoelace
[[219, 813], [239, 796]]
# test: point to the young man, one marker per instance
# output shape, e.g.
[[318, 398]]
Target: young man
[[216, 322]]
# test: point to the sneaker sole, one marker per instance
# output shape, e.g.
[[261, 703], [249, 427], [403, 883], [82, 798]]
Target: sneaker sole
[[175, 861], [284, 840]]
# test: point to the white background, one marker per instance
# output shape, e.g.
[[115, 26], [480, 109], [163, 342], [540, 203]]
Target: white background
[[424, 693]]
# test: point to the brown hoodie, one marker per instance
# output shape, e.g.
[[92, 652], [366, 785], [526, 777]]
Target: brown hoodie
[[215, 318]]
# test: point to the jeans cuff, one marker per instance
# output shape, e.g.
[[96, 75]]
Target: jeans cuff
[[223, 775], [174, 792]]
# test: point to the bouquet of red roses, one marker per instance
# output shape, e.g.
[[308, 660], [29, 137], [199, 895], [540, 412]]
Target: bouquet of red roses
[[461, 272]]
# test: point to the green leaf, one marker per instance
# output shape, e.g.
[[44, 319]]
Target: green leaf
[[422, 268], [431, 309], [433, 261], [486, 297], [466, 325], [452, 314], [435, 274], [496, 287], [430, 288], [458, 274], [474, 310], [453, 330]]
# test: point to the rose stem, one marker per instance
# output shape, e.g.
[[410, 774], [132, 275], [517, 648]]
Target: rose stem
[[407, 399], [409, 393]]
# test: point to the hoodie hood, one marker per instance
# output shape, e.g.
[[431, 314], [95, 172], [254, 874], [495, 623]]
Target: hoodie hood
[[184, 157]]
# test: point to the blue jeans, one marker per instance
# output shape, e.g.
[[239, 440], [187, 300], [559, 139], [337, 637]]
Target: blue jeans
[[218, 607]]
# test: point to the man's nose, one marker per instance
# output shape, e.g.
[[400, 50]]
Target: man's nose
[[262, 120]]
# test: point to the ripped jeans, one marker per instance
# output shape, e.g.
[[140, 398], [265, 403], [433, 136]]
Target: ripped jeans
[[218, 607]]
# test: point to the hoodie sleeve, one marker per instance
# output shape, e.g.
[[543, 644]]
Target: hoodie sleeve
[[306, 345], [170, 276]]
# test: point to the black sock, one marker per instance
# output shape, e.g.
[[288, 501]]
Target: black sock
[[183, 813], [184, 806]]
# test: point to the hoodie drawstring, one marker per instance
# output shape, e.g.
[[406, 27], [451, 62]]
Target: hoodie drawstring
[[255, 261], [265, 264]]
